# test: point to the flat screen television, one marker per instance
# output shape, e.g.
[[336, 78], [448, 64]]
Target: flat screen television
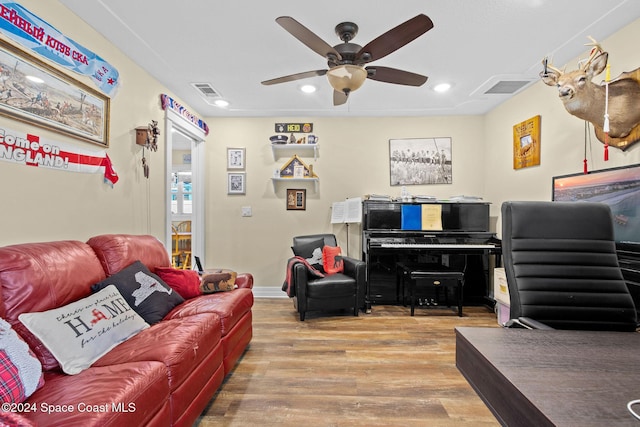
[[617, 187]]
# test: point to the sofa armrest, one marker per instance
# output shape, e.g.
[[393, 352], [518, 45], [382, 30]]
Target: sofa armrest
[[352, 266], [300, 279], [357, 269], [244, 280]]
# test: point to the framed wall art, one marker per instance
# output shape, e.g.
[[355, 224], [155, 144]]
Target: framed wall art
[[34, 92], [526, 143], [420, 161], [296, 199], [236, 183], [235, 158]]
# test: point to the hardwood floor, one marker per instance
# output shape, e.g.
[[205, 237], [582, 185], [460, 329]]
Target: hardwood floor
[[380, 369]]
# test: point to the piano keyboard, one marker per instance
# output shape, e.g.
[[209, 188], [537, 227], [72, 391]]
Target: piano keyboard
[[435, 246]]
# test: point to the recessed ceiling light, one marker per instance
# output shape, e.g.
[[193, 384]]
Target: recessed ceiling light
[[35, 79], [442, 87], [221, 103], [308, 88]]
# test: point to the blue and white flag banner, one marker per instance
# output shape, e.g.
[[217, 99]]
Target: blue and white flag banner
[[24, 27], [169, 103]]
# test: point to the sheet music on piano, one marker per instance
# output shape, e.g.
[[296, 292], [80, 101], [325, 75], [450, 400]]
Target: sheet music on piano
[[349, 211]]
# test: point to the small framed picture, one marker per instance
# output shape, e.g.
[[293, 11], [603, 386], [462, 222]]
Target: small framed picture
[[236, 183], [296, 199], [235, 158], [298, 171]]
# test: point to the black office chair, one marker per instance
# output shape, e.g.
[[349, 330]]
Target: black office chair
[[334, 291], [562, 269]]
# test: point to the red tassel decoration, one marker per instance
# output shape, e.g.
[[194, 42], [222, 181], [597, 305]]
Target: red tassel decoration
[[606, 152], [585, 166]]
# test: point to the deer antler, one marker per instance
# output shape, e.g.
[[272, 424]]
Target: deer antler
[[594, 43], [596, 50], [547, 66]]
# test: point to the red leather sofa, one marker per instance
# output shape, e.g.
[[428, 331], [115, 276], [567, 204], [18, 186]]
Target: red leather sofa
[[163, 376]]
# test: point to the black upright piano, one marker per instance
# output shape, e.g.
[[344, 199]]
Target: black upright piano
[[463, 241]]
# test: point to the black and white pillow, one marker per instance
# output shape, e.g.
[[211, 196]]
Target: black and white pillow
[[146, 293], [311, 252]]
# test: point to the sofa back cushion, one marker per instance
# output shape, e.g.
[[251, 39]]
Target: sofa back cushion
[[117, 251], [42, 276]]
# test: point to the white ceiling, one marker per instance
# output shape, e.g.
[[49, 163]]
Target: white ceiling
[[234, 45]]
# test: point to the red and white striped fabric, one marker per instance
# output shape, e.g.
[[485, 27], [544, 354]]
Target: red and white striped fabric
[[31, 150]]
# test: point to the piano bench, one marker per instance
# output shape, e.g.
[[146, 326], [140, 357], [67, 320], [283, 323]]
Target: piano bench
[[436, 276]]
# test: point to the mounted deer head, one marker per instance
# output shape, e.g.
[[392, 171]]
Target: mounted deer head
[[586, 100]]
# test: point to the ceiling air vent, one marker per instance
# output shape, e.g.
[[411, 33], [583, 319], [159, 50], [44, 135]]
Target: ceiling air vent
[[507, 87], [207, 92]]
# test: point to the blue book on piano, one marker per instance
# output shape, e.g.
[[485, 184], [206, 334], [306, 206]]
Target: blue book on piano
[[411, 218]]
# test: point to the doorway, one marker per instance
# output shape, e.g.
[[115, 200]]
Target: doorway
[[181, 201], [185, 192]]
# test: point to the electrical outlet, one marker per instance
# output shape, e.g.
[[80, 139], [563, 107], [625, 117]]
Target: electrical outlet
[[246, 211]]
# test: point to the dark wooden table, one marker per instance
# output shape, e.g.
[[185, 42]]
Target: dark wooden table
[[552, 378]]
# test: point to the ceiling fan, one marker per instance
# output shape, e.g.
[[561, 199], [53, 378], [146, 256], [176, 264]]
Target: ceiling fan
[[346, 61]]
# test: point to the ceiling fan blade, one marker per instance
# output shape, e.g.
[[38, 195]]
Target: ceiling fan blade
[[307, 37], [339, 98], [292, 77], [393, 75], [395, 38]]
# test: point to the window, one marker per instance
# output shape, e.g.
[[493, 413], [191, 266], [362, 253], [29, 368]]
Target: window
[[181, 197]]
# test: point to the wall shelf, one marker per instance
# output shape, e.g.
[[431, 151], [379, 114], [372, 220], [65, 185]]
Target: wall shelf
[[278, 149], [315, 181]]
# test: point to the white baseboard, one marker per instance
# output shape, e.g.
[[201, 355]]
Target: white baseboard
[[268, 292]]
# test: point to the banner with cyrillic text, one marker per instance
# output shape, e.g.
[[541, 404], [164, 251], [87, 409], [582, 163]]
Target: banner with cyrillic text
[[29, 149], [24, 27]]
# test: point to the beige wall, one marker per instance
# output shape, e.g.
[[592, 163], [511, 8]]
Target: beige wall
[[563, 141], [353, 161], [40, 204]]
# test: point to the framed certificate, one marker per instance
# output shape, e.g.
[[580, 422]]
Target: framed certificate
[[236, 183], [235, 159]]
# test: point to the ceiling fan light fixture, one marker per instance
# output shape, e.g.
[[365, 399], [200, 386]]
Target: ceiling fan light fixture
[[346, 78]]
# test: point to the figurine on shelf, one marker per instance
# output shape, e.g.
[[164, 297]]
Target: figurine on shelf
[[292, 139]]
